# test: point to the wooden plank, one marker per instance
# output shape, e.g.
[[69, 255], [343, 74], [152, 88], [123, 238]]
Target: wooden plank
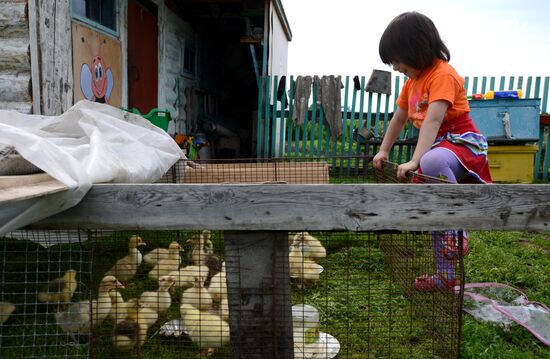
[[34, 59], [359, 207], [258, 289], [18, 188], [55, 57]]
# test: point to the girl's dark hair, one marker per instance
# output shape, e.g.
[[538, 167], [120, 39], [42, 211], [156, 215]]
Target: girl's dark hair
[[412, 39]]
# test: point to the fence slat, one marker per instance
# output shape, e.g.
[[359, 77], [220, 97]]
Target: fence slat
[[259, 122], [360, 124], [474, 85], [537, 86], [320, 132], [265, 141], [344, 122], [274, 118], [290, 124], [528, 87], [544, 105], [351, 126], [282, 131], [511, 83]]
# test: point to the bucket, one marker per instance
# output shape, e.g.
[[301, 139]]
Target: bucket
[[305, 322]]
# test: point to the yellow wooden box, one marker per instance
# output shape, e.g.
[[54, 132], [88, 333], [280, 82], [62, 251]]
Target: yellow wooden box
[[512, 163]]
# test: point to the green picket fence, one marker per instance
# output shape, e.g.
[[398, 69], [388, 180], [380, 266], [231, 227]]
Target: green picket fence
[[365, 117]]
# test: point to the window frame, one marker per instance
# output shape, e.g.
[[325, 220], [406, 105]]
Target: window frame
[[96, 25]]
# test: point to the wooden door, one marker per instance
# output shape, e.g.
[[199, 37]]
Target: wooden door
[[142, 55]]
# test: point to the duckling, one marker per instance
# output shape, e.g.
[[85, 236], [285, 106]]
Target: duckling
[[126, 267], [155, 255], [311, 246], [160, 300], [305, 269], [218, 285], [202, 252], [6, 309], [131, 333], [165, 266], [208, 331], [185, 277], [60, 290], [197, 296], [119, 308], [78, 317]]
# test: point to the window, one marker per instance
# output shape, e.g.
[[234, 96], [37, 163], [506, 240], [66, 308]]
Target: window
[[101, 13], [189, 60]]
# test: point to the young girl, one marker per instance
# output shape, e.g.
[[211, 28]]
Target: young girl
[[434, 99]]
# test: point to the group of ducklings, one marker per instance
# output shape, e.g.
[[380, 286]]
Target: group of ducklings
[[203, 309]]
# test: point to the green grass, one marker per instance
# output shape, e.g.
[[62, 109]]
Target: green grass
[[359, 304]]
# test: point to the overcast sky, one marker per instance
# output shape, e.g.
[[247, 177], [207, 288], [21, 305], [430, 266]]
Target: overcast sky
[[485, 37]]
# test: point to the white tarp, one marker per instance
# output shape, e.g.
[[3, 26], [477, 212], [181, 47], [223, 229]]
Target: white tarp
[[90, 143]]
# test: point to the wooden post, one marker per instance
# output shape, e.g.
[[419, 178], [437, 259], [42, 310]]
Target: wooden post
[[258, 289]]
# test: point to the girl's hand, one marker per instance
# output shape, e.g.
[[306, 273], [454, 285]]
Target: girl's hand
[[404, 168], [378, 160]]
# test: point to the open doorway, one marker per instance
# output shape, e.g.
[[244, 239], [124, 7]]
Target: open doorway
[[142, 55]]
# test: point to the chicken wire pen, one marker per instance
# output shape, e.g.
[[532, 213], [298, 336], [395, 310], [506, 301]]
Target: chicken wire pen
[[364, 294]]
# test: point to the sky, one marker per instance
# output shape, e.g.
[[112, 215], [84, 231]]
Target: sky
[[485, 37]]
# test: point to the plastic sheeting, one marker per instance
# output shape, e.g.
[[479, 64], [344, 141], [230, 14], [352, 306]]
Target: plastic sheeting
[[503, 305], [89, 143]]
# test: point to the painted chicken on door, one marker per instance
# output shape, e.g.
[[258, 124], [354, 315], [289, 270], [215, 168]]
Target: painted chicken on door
[[96, 82], [96, 66]]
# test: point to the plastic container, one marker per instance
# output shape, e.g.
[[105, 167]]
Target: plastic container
[[305, 322], [490, 95], [159, 118]]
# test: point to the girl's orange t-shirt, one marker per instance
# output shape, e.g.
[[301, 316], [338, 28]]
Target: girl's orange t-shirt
[[439, 82]]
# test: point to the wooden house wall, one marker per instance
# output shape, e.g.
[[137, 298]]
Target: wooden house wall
[[15, 65]]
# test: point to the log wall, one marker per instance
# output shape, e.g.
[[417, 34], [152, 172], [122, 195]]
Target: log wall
[[15, 64]]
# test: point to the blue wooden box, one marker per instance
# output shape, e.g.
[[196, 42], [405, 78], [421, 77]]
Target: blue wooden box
[[507, 120]]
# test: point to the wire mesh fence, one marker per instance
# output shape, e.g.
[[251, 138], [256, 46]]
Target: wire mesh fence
[[184, 294]]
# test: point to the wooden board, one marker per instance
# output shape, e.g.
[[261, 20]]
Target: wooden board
[[19, 188], [281, 207]]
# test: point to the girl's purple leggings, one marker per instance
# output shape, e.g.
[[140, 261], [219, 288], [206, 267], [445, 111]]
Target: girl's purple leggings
[[440, 162]]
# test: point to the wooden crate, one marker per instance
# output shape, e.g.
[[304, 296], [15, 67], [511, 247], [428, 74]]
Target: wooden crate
[[286, 172]]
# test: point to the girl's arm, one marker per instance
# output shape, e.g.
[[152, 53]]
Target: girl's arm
[[428, 132], [396, 125]]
